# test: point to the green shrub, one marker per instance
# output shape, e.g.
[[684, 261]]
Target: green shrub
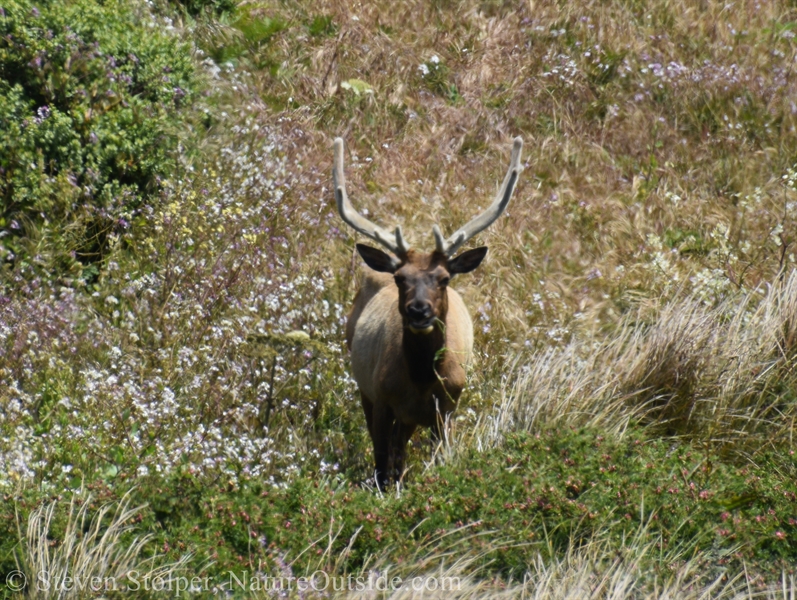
[[197, 7], [90, 112]]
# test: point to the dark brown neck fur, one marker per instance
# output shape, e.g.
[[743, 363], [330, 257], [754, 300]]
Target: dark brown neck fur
[[422, 353]]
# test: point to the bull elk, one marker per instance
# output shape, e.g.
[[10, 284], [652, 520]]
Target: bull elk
[[409, 333]]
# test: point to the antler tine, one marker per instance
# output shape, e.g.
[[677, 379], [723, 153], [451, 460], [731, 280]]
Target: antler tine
[[485, 219], [394, 242]]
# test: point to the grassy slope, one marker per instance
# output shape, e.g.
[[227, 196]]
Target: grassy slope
[[657, 139]]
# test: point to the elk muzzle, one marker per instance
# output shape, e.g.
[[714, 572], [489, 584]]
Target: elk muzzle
[[420, 316]]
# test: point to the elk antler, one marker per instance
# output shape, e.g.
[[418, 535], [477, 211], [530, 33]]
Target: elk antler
[[484, 220], [398, 247]]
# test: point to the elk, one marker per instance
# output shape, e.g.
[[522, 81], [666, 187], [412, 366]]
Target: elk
[[409, 334]]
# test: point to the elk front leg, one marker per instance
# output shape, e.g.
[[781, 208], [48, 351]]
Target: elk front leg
[[381, 424], [403, 436], [368, 409]]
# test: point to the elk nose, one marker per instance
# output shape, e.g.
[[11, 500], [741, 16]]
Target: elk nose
[[418, 311]]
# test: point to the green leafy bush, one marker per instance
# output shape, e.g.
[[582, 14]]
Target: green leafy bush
[[197, 7], [90, 111]]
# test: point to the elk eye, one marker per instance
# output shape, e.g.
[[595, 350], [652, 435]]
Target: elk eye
[[444, 281], [399, 279]]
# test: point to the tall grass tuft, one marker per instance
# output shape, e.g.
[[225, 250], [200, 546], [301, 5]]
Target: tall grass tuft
[[592, 569], [722, 373], [95, 554]]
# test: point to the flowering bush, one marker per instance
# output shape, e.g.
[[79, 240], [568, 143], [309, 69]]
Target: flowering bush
[[90, 99], [182, 358]]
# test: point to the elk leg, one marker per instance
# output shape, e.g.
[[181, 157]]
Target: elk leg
[[381, 425], [392, 461], [403, 436], [368, 409]]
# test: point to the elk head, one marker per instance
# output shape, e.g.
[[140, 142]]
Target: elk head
[[422, 278]]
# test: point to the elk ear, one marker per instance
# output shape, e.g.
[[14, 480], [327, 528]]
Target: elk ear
[[467, 261], [378, 260]]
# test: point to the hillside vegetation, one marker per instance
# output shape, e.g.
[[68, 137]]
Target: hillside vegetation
[[175, 397]]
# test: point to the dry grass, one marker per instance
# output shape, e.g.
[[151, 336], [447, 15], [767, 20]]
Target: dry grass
[[718, 373], [96, 557], [594, 572], [93, 555], [656, 137], [590, 569]]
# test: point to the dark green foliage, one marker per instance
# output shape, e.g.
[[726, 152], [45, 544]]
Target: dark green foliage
[[259, 29], [90, 101], [322, 26], [8, 544], [197, 7], [247, 38], [686, 242]]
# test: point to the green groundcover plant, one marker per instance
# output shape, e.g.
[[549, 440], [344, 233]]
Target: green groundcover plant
[[537, 496], [90, 115]]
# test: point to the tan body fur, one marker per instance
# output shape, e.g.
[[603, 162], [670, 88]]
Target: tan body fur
[[375, 334]]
